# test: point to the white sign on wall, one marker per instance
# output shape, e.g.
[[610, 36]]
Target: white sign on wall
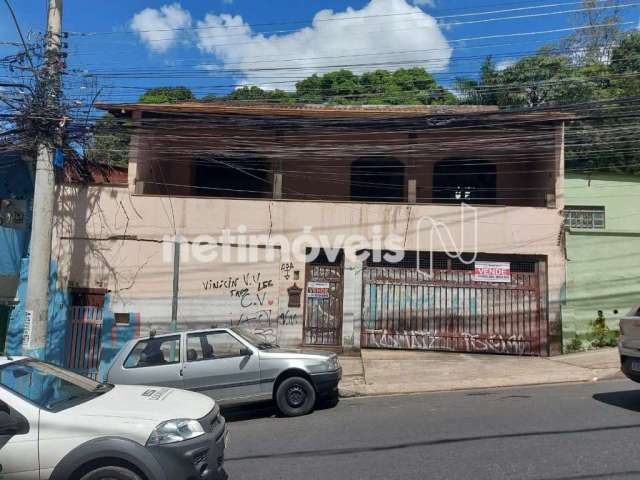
[[318, 290], [28, 329], [495, 272]]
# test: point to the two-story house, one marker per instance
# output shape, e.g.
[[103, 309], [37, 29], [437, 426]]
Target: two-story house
[[431, 228]]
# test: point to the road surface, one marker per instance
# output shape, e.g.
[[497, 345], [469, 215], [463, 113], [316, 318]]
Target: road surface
[[561, 432]]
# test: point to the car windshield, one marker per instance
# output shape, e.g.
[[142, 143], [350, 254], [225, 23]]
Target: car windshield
[[47, 386], [254, 339]]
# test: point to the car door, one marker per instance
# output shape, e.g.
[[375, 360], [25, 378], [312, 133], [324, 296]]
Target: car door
[[18, 450], [154, 361], [220, 365]]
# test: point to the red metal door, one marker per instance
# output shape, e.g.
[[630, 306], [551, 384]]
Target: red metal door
[[84, 340], [405, 309]]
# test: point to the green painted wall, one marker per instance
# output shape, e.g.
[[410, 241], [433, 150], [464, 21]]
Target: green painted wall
[[603, 266]]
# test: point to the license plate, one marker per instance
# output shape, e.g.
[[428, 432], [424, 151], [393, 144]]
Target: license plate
[[635, 366], [226, 438]]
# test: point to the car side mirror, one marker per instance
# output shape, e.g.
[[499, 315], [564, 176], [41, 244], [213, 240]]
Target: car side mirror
[[9, 425], [246, 352]]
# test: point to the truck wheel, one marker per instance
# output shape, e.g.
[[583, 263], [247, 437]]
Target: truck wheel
[[111, 473], [295, 396]]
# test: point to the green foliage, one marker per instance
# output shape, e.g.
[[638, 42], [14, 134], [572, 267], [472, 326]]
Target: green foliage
[[167, 95], [253, 93], [109, 143], [601, 335], [534, 81], [412, 86], [625, 63], [597, 32], [575, 345]]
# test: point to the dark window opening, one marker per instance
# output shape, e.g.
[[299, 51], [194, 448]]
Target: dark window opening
[[407, 259], [122, 318], [234, 177], [325, 257], [469, 181], [87, 297], [377, 180]]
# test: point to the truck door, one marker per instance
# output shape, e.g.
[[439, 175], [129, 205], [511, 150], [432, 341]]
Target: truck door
[[18, 449]]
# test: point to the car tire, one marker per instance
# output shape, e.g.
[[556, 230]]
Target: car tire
[[111, 473], [295, 396]]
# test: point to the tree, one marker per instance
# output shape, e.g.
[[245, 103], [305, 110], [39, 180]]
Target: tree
[[536, 80], [167, 95], [597, 32], [251, 94], [413, 86], [608, 140], [109, 142], [625, 64], [482, 91]]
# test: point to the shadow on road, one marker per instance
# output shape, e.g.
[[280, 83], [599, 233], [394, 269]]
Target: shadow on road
[[238, 413], [425, 443], [267, 409], [627, 399]]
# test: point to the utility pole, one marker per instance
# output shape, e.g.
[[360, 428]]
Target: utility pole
[[177, 246], [37, 302]]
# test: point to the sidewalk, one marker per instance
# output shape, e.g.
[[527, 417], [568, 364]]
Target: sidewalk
[[385, 372]]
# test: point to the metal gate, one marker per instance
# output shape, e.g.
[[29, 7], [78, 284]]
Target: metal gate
[[405, 309], [84, 340], [323, 312]]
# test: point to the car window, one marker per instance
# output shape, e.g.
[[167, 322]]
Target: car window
[[154, 352], [48, 386], [213, 345]]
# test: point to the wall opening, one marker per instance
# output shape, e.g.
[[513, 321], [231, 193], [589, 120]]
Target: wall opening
[[469, 181], [377, 180], [231, 177]]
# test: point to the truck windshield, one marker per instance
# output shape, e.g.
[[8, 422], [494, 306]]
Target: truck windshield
[[47, 386]]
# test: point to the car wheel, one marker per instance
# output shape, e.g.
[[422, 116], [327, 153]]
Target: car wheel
[[111, 473], [295, 396]]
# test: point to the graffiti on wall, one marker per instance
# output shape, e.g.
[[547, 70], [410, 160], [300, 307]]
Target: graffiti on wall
[[437, 341], [288, 318], [286, 269], [252, 301]]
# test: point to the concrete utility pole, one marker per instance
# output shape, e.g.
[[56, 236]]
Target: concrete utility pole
[[37, 303], [177, 246]]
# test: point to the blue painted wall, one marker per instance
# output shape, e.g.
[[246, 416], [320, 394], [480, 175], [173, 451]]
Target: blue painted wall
[[59, 301], [15, 183], [115, 336]]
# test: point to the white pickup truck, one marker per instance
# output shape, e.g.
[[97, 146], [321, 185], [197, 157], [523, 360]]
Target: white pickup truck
[[56, 425], [629, 344]]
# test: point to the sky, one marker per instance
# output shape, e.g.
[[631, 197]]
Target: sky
[[122, 47]]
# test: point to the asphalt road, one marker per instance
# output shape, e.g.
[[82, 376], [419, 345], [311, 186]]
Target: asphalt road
[[563, 432]]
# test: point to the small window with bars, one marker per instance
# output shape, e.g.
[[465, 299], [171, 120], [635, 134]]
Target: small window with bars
[[584, 217]]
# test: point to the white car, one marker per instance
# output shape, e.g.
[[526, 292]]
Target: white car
[[57, 425], [629, 344]]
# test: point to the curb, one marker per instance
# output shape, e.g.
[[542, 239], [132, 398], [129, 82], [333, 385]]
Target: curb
[[347, 392]]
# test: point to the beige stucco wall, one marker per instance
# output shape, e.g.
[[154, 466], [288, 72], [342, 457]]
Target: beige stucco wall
[[108, 237]]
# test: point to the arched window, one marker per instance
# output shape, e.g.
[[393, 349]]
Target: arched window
[[377, 180], [469, 181], [219, 176]]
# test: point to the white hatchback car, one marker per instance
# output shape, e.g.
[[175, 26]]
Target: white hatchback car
[[57, 425]]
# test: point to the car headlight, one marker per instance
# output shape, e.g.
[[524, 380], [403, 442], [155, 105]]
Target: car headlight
[[333, 364], [174, 431]]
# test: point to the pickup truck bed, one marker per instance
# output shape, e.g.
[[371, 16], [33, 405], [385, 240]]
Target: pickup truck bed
[[629, 344]]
